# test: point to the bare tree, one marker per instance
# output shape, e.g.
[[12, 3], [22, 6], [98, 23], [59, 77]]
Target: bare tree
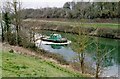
[[7, 21], [2, 34], [17, 19], [80, 45], [100, 58]]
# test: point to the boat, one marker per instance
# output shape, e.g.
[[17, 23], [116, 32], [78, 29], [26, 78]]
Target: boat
[[55, 38]]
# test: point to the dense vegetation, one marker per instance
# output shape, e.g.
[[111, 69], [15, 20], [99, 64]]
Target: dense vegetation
[[76, 10]]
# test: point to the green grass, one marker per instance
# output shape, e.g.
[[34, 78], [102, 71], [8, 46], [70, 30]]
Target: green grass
[[94, 25], [83, 24], [0, 63], [16, 65]]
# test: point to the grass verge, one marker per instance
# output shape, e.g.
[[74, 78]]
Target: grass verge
[[17, 65]]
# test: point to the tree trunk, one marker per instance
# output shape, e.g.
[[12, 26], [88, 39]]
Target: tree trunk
[[17, 21], [2, 32], [33, 33], [17, 35], [97, 70], [30, 35], [82, 62]]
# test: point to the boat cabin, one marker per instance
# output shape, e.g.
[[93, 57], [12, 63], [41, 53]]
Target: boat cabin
[[55, 37]]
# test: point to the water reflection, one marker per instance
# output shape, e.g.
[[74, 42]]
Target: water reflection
[[54, 46], [108, 61]]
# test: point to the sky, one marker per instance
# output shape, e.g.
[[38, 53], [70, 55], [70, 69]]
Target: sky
[[45, 3], [51, 3]]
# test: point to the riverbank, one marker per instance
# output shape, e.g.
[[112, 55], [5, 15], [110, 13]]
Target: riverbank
[[31, 64], [106, 30]]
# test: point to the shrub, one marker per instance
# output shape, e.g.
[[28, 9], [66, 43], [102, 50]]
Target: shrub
[[12, 39], [106, 32], [11, 51]]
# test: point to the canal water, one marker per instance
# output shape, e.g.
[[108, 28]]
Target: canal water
[[110, 62]]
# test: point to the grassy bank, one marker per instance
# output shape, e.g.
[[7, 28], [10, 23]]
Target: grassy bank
[[77, 23], [0, 62], [16, 65], [107, 30]]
